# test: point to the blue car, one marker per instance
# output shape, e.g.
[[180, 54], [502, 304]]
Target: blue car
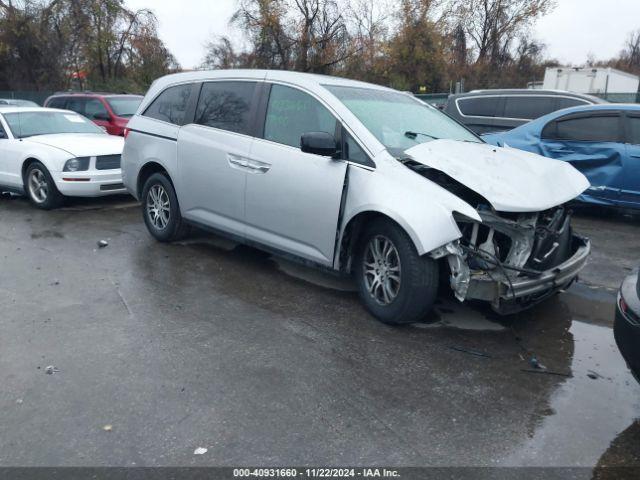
[[602, 141]]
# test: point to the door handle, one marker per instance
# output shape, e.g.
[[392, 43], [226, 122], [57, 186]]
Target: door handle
[[258, 167], [237, 161]]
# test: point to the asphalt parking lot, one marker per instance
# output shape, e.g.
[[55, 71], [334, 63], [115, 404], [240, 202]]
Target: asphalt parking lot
[[208, 344]]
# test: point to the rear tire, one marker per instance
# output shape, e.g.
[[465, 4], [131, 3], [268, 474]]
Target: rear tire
[[40, 187], [395, 284], [161, 210]]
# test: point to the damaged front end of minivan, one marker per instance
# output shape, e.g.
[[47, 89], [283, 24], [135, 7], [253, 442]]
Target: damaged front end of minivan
[[511, 259], [514, 261]]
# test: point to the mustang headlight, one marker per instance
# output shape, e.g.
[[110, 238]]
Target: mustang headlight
[[76, 164]]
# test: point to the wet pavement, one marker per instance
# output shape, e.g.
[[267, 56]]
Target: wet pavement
[[205, 343]]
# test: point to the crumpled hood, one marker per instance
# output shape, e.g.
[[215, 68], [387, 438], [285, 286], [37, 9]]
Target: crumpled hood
[[82, 144], [511, 180]]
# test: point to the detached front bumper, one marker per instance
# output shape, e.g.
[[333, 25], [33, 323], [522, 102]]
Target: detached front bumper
[[90, 183], [509, 294]]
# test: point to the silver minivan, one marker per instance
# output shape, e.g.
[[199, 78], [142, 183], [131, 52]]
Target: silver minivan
[[356, 178]]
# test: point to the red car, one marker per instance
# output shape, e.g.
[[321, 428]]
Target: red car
[[111, 111]]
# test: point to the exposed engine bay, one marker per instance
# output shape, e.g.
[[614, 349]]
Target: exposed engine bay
[[510, 259]]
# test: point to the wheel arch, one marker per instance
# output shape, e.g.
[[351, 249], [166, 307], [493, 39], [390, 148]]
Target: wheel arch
[[146, 171], [354, 226], [26, 163]]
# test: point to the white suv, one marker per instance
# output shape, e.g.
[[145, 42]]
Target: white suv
[[356, 178]]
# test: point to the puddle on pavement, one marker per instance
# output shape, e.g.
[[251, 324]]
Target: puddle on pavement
[[587, 417]]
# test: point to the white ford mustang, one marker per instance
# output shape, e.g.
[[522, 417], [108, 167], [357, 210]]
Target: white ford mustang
[[48, 154]]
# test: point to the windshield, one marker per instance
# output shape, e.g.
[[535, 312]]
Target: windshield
[[124, 106], [29, 124], [398, 120]]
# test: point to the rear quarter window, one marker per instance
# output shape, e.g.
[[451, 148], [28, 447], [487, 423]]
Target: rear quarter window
[[171, 105]]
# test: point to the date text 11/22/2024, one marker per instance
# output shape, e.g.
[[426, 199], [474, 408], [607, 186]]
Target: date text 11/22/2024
[[315, 472]]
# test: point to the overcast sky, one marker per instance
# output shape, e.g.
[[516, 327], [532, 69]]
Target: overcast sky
[[572, 31]]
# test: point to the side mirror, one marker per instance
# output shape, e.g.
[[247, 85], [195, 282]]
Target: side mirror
[[101, 116], [319, 143]]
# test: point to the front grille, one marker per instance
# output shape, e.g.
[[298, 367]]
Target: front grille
[[108, 162], [112, 186]]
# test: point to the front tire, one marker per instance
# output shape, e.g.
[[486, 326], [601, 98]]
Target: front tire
[[395, 284], [40, 187], [161, 210]]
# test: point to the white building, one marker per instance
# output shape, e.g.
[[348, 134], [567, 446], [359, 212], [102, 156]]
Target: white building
[[590, 80]]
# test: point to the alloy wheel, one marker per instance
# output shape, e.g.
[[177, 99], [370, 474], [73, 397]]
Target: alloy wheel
[[382, 270], [158, 206], [38, 186]]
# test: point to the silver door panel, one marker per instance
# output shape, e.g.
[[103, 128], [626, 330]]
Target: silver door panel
[[213, 167], [293, 200]]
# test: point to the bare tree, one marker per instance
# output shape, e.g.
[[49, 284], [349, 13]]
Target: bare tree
[[492, 25], [630, 55]]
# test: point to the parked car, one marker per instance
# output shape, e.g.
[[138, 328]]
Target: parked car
[[17, 102], [48, 154], [107, 110], [355, 178], [486, 111], [627, 323], [602, 141]]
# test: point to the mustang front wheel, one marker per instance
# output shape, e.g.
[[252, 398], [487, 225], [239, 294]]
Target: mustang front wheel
[[40, 187]]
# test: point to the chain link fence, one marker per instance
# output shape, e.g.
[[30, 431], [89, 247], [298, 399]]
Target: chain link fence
[[38, 97]]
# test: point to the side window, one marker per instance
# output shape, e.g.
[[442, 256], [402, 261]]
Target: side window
[[76, 105], [58, 102], [528, 108], [291, 113], [570, 102], [479, 106], [94, 109], [3, 134], [225, 105], [584, 129], [634, 130], [171, 105]]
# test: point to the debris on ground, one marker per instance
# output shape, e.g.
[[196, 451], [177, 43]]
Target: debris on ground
[[51, 369], [107, 428], [535, 363], [19, 401], [470, 352], [55, 282], [200, 451], [103, 243], [593, 375]]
